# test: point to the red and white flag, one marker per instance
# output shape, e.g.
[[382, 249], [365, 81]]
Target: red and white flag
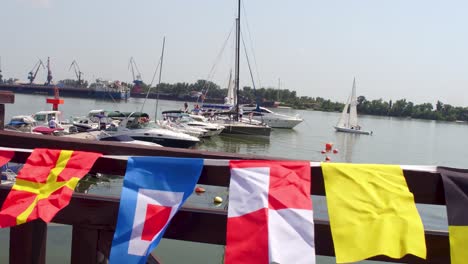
[[270, 217]]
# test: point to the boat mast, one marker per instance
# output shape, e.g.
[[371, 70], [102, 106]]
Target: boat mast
[[49, 72], [279, 88], [237, 59], [159, 82]]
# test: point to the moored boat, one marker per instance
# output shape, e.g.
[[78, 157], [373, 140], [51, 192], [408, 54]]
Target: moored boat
[[272, 119]]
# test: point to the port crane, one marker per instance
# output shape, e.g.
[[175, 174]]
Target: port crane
[[77, 70], [133, 67], [137, 87], [33, 73]]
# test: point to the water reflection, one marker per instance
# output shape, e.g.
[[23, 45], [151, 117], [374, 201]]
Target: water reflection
[[345, 144], [237, 144]]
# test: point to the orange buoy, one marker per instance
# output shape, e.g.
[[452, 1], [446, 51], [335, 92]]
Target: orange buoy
[[328, 146], [323, 151], [327, 158], [335, 151]]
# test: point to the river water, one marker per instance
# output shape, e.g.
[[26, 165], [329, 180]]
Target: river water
[[394, 141]]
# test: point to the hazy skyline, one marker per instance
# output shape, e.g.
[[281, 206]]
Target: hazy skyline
[[396, 49]]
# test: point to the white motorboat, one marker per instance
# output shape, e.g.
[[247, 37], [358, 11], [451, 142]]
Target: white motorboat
[[155, 134], [21, 123], [187, 120], [272, 119], [103, 136], [349, 121], [177, 127]]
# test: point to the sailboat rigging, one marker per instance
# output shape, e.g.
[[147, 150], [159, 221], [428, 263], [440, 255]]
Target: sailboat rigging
[[236, 73], [348, 121], [236, 124]]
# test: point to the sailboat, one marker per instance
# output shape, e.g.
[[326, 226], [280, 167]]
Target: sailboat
[[236, 126], [349, 121]]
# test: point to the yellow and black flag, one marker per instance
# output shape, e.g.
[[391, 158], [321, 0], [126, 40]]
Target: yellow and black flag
[[456, 198]]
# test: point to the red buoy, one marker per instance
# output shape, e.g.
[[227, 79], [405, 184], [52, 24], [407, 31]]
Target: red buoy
[[335, 151], [328, 146]]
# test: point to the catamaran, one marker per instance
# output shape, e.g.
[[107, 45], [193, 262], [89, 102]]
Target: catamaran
[[349, 121]]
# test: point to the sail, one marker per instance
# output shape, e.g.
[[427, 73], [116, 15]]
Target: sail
[[353, 119], [231, 95], [344, 119]]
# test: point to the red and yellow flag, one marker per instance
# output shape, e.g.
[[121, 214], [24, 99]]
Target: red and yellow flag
[[5, 156], [45, 185]]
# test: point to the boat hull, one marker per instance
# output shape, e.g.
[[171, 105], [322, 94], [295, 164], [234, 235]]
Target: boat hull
[[349, 130], [245, 129], [167, 142], [280, 123]]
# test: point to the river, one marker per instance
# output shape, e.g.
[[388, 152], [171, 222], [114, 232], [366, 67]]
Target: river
[[393, 141]]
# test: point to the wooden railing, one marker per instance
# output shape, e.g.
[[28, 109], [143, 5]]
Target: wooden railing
[[93, 217]]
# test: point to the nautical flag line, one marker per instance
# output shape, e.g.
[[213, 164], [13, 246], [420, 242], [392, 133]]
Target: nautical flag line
[[45, 185], [456, 198], [270, 218], [372, 212], [153, 191]]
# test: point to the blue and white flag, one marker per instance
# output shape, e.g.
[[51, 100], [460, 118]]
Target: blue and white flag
[[154, 189]]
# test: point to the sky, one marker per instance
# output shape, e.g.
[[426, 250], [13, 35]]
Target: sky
[[413, 49]]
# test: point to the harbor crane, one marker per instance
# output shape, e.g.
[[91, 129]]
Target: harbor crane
[[133, 67], [33, 73], [49, 72], [137, 87], [77, 70]]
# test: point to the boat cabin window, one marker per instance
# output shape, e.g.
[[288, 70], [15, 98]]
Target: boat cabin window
[[40, 117]]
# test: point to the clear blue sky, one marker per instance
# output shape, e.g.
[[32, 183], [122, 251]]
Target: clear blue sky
[[415, 49]]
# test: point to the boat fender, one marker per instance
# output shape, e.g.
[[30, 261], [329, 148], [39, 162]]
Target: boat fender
[[327, 158], [200, 190], [218, 200], [328, 146], [323, 151], [335, 151]]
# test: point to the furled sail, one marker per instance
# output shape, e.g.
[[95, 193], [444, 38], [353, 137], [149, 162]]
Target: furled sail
[[231, 95]]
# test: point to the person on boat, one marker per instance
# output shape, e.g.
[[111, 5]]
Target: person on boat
[[241, 113], [196, 110], [185, 109], [102, 121], [53, 123]]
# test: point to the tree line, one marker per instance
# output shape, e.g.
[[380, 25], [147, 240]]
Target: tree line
[[286, 97]]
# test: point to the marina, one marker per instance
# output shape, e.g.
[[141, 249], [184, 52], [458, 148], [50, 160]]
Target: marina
[[200, 153], [299, 143]]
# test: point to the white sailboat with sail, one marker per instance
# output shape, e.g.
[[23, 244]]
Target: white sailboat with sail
[[349, 121]]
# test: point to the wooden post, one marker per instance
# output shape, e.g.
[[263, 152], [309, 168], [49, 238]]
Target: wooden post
[[84, 245], [6, 97], [28, 243]]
